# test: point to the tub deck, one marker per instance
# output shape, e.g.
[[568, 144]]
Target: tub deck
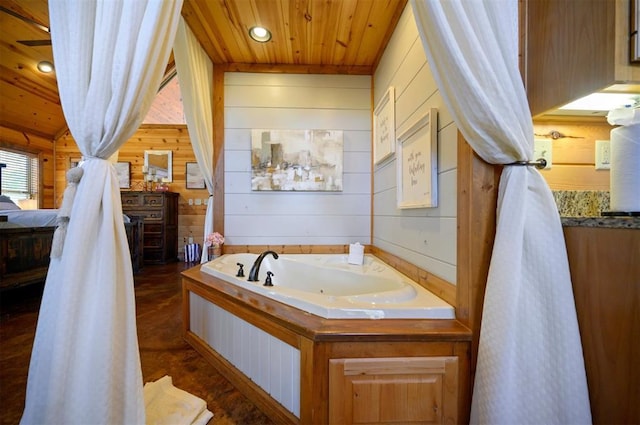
[[320, 340], [317, 328]]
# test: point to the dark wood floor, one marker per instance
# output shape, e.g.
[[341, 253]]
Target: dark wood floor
[[162, 349]]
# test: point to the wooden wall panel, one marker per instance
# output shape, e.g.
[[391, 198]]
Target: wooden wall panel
[[425, 236], [150, 137], [573, 156], [477, 203]]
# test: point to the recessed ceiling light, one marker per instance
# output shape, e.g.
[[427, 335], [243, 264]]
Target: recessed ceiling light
[[45, 66], [260, 34]]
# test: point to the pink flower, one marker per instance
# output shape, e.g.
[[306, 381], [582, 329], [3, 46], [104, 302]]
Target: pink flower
[[214, 239]]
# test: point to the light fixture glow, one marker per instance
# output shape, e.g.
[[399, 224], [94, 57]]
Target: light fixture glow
[[604, 102], [45, 66], [260, 34]]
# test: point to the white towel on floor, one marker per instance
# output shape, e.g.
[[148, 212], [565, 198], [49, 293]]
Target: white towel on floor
[[167, 405]]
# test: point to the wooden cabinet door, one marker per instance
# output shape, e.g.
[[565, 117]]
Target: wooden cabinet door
[[408, 390], [569, 50]]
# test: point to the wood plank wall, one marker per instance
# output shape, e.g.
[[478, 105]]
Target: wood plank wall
[[149, 137], [25, 142], [425, 237], [573, 156], [303, 102]]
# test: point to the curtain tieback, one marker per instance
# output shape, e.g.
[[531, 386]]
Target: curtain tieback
[[539, 163], [62, 221]]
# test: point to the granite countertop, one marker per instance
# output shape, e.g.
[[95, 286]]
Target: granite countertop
[[583, 208], [604, 222]]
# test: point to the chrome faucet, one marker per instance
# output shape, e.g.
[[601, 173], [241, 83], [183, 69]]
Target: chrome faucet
[[253, 274]]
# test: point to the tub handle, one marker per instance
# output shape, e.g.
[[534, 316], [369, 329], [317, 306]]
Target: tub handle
[[268, 282], [240, 270]]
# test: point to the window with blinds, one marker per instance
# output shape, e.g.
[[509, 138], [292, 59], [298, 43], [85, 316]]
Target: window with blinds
[[20, 177]]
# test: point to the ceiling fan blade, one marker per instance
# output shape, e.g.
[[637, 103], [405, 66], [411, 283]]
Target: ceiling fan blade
[[35, 43], [25, 19]]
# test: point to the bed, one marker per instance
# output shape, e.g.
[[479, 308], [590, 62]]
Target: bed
[[25, 245]]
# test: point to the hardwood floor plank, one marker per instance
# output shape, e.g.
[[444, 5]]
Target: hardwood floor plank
[[163, 351]]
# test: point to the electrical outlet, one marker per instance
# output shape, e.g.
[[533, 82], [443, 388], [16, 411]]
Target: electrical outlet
[[190, 201], [603, 155], [198, 201], [542, 148]]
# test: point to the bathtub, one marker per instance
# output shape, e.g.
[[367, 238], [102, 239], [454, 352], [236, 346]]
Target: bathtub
[[327, 286]]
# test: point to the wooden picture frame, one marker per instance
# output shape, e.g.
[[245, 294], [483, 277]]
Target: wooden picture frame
[[123, 170], [159, 165], [384, 127], [193, 176], [417, 164]]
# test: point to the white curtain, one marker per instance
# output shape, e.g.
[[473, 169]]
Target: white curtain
[[530, 364], [195, 72], [85, 364]]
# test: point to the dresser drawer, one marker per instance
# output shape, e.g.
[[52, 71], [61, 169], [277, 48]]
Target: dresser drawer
[[130, 200], [153, 241], [151, 215], [153, 228], [152, 200]]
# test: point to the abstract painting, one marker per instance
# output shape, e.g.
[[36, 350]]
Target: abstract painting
[[296, 160]]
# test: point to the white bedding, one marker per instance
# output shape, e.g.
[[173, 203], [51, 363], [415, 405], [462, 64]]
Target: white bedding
[[37, 218], [31, 218]]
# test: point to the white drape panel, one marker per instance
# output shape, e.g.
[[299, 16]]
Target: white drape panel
[[530, 364], [196, 69], [85, 364]]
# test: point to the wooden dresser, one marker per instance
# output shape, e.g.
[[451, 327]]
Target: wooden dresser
[[159, 211]]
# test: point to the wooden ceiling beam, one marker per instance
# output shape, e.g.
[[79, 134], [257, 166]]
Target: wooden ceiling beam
[[24, 132]]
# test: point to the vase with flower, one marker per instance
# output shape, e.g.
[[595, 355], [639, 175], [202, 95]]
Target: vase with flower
[[214, 242]]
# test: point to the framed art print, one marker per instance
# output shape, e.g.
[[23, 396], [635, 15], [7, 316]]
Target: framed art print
[[194, 178], [384, 127], [123, 170], [295, 160]]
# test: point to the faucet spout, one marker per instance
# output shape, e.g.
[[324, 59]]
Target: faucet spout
[[255, 269]]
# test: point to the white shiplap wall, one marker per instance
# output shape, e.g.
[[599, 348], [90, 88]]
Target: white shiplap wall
[[425, 237], [297, 101]]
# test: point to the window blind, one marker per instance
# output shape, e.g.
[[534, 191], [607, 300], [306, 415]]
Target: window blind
[[20, 177]]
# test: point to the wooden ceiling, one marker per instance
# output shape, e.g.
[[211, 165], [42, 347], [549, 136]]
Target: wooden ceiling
[[312, 36]]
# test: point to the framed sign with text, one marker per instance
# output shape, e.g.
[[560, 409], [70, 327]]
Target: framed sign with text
[[384, 127], [417, 163]]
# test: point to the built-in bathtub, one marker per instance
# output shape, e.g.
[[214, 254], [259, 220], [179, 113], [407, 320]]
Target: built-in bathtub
[[328, 286], [277, 349]]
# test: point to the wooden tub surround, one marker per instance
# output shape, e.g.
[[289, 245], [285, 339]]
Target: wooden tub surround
[[350, 370]]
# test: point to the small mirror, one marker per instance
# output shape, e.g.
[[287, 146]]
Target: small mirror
[[158, 164]]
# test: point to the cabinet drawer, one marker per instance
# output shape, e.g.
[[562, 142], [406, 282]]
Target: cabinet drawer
[[130, 200], [152, 241], [151, 215], [153, 228], [152, 200]]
